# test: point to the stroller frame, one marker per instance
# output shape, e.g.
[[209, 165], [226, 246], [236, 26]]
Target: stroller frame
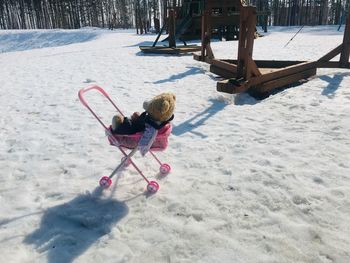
[[106, 181]]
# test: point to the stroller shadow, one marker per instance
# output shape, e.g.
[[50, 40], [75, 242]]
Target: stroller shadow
[[67, 230], [190, 71], [333, 83], [199, 119]]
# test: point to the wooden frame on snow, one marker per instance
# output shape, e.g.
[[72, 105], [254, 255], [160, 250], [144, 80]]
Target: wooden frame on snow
[[262, 76]]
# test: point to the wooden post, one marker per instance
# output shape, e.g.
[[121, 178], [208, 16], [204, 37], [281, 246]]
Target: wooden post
[[165, 13], [344, 55], [206, 51], [246, 66], [172, 40], [203, 33]]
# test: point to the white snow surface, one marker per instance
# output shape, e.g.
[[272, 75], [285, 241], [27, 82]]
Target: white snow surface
[[251, 181]]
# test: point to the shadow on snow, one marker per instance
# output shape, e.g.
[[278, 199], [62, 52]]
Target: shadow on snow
[[21, 41], [190, 72], [67, 230], [333, 83], [199, 119]]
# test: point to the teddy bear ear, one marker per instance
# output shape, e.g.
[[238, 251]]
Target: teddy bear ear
[[145, 105], [165, 106]]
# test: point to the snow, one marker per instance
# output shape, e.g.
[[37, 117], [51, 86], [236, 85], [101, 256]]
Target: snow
[[251, 181]]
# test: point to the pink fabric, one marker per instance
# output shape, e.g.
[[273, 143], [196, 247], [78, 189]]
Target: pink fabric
[[131, 141]]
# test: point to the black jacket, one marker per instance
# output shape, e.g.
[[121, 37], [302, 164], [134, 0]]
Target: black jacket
[[138, 125]]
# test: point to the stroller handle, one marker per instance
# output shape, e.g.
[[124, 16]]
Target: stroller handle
[[104, 93]]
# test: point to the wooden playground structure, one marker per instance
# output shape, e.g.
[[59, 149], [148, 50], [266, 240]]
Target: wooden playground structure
[[260, 77], [225, 18], [171, 48], [185, 22]]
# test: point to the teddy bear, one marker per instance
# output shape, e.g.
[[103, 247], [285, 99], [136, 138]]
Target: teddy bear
[[159, 111]]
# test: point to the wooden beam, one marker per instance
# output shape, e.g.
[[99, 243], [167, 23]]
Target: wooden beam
[[267, 66], [231, 86], [169, 50], [204, 30], [222, 72], [331, 54], [224, 65], [246, 66], [206, 50], [344, 56], [268, 63], [330, 64], [252, 68], [282, 73], [209, 52], [281, 77], [171, 23], [283, 81], [197, 57], [267, 70]]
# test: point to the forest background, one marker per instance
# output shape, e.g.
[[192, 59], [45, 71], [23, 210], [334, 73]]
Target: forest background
[[144, 14]]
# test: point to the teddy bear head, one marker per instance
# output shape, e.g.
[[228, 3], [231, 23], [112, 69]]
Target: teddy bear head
[[161, 107]]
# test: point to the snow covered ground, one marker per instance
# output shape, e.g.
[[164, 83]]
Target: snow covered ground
[[252, 181]]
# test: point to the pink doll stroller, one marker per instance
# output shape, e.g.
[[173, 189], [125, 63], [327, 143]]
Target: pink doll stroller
[[130, 142]]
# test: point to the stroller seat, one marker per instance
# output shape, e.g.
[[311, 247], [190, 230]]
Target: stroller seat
[[131, 141]]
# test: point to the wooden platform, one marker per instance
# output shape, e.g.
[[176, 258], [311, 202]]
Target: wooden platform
[[170, 50]]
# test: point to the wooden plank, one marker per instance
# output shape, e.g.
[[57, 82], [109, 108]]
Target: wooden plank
[[241, 55], [267, 70], [171, 23], [252, 68], [344, 56], [276, 63], [268, 63], [269, 66], [197, 57], [224, 65], [282, 73], [203, 33], [222, 72], [170, 50], [209, 51], [279, 77], [280, 82], [245, 43], [231, 86], [206, 51], [330, 64]]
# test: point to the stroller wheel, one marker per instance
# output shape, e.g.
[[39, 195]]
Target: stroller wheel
[[152, 187], [105, 182], [164, 169], [127, 162]]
